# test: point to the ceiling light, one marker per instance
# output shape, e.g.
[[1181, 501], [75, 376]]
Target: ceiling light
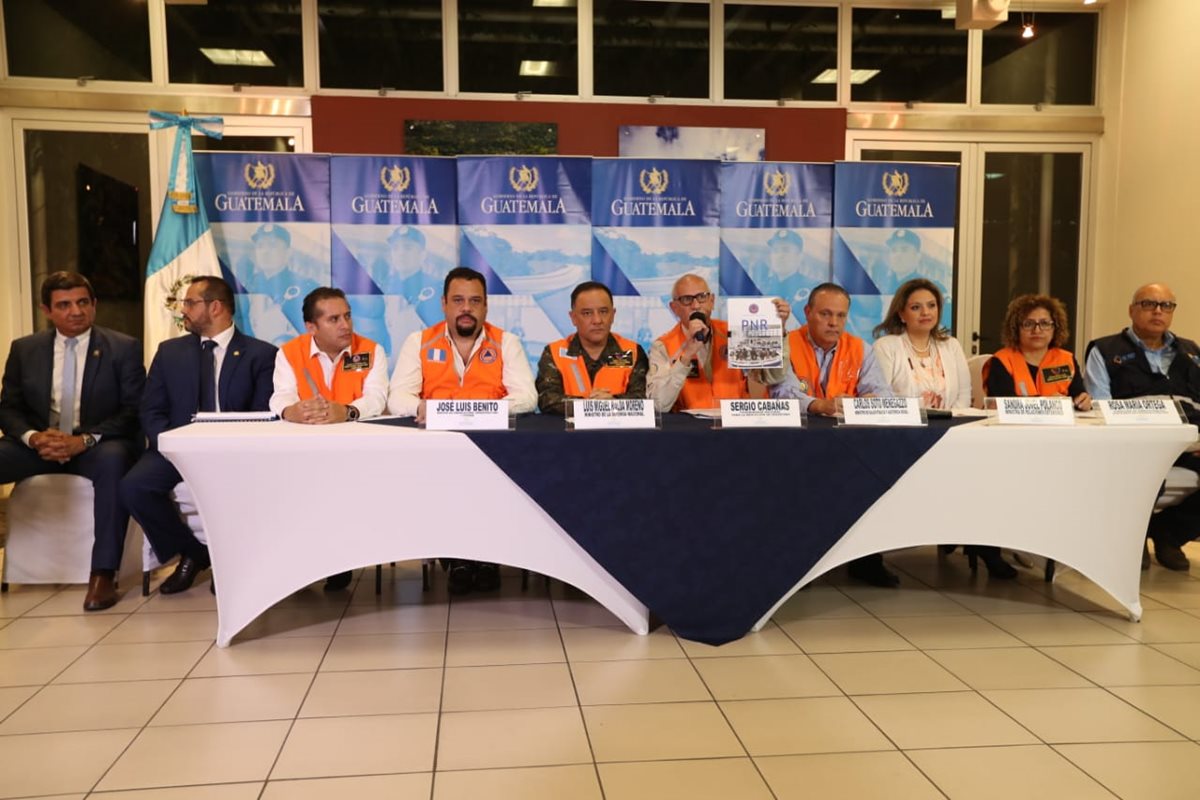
[[553, 3], [226, 57], [538, 69], [1027, 30], [857, 76]]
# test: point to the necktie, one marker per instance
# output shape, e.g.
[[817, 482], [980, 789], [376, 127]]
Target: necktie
[[66, 403], [208, 380]]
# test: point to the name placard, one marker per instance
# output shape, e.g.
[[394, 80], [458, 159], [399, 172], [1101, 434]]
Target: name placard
[[466, 415], [889, 411], [595, 415], [1035, 411], [762, 413], [1139, 411]]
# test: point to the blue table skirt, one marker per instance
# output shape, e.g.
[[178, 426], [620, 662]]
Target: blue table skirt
[[708, 528]]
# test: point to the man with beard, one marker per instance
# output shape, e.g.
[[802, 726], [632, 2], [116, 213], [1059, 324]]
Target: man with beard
[[217, 368], [462, 358]]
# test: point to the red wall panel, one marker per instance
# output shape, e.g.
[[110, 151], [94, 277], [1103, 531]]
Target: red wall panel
[[376, 124]]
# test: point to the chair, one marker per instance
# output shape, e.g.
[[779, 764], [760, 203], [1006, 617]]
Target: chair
[[51, 531], [182, 496], [975, 367]]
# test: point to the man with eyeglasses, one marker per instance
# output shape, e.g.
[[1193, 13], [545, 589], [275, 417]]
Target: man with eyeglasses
[[69, 406], [462, 358], [689, 364], [216, 368], [1148, 359]]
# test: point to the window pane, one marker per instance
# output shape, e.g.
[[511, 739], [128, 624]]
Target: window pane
[[89, 211], [1056, 66], [780, 51], [369, 44], [646, 48], [106, 41], [517, 45], [907, 56], [1031, 208], [246, 144], [254, 42]]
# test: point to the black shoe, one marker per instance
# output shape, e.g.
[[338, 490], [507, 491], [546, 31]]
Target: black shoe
[[487, 578], [462, 578], [870, 569], [101, 591], [335, 583], [997, 567], [1170, 555], [184, 575]]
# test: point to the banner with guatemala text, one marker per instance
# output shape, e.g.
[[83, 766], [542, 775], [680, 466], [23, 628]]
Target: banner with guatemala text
[[892, 222], [776, 225], [270, 220], [394, 239], [525, 223], [654, 220]]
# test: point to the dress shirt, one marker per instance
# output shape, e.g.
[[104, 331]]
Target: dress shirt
[[405, 390], [56, 379], [375, 387], [222, 340], [665, 380], [1098, 383], [870, 379]]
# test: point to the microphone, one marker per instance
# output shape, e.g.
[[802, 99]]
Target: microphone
[[701, 336]]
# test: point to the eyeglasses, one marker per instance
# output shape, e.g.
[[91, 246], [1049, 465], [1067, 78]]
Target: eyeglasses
[[1039, 324], [693, 299], [188, 303], [1162, 305]]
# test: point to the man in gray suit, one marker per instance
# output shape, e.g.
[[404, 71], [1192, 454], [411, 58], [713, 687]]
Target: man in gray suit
[[69, 404]]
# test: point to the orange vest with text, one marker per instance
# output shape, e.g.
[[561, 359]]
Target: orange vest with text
[[704, 391], [347, 383], [843, 372], [576, 382], [1028, 385], [483, 375]]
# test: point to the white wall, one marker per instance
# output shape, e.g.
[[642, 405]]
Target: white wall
[[1149, 175]]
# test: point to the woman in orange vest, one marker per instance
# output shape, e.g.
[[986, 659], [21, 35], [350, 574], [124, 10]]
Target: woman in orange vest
[[1033, 362]]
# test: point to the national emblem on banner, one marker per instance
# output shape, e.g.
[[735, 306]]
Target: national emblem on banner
[[776, 183], [259, 175], [654, 180], [523, 178], [395, 178], [895, 183]]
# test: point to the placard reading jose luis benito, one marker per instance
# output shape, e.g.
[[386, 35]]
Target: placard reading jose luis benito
[[755, 333]]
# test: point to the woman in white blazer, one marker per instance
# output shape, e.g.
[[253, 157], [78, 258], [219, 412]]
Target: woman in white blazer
[[917, 356], [921, 359]]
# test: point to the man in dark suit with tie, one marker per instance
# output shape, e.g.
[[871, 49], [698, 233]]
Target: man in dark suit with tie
[[218, 368], [69, 404]]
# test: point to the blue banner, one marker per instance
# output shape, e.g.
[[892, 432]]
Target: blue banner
[[525, 224], [394, 239], [654, 220], [270, 222], [776, 226], [892, 222]]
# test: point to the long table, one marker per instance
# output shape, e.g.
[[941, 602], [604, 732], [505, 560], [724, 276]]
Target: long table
[[710, 530]]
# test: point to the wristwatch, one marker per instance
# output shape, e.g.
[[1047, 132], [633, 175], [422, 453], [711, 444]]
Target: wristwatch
[[352, 413], [89, 441]]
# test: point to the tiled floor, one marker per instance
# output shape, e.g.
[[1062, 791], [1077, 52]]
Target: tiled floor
[[948, 687]]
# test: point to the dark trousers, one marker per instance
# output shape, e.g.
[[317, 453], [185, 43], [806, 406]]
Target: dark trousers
[[103, 465], [146, 493], [1180, 523]]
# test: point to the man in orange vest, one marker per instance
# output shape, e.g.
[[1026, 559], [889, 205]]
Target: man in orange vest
[[689, 364], [828, 363], [594, 362], [329, 374], [462, 358]]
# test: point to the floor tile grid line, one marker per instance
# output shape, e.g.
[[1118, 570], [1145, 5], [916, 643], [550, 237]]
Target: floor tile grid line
[[1081, 767], [437, 728], [587, 732], [350, 590]]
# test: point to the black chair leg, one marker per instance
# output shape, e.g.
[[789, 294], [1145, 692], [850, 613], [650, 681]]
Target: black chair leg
[[146, 583], [524, 580], [1050, 565], [4, 587], [379, 579], [424, 576]]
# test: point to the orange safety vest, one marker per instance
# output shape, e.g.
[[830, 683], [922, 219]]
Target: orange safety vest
[[483, 375], [1059, 361], [573, 369], [843, 372], [701, 391], [348, 376]]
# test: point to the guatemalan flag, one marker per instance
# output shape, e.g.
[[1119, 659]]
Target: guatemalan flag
[[183, 246]]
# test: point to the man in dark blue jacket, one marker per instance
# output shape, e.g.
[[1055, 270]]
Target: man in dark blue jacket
[[217, 368], [69, 405]]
